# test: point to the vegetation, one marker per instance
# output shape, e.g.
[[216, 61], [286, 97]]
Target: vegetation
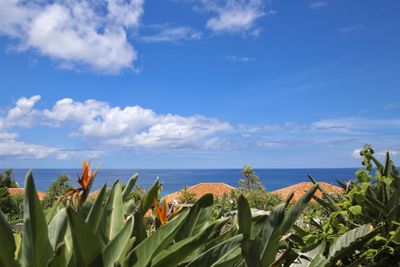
[[56, 190], [357, 228], [10, 205]]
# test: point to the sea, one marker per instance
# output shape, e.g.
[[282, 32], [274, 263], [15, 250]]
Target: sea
[[175, 179]]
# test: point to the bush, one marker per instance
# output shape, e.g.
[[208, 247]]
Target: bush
[[7, 180], [57, 189]]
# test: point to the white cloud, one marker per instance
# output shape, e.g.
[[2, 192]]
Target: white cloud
[[167, 33], [354, 123], [352, 28], [75, 33], [356, 153], [239, 59], [318, 4], [19, 149], [131, 126], [234, 16], [23, 113]]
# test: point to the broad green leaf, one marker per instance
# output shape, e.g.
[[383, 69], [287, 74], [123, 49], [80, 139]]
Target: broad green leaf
[[295, 211], [129, 186], [355, 210], [211, 256], [36, 248], [161, 238], [59, 258], [7, 250], [345, 241], [113, 217], [86, 245], [266, 244], [229, 259], [198, 216], [97, 210], [177, 252], [113, 252], [139, 229], [312, 258], [244, 217], [57, 228]]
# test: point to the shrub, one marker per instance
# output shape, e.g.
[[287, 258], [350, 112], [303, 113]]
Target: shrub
[[57, 189]]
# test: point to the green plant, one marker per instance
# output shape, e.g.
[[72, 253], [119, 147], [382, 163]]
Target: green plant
[[369, 202], [249, 180], [186, 196], [57, 189], [7, 180], [112, 233]]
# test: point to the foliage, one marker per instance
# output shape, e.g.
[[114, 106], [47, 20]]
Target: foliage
[[110, 234], [186, 197], [369, 201], [57, 189], [10, 205], [7, 180], [249, 180]]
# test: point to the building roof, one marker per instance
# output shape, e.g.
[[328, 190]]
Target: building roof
[[300, 188], [217, 189], [21, 191]]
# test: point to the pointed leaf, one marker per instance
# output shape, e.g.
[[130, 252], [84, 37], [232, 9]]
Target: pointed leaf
[[57, 228], [211, 256], [97, 210], [129, 186], [86, 245], [36, 248], [161, 238], [7, 242], [113, 252]]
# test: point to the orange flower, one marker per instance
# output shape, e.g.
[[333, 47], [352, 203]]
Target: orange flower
[[85, 182], [161, 213]]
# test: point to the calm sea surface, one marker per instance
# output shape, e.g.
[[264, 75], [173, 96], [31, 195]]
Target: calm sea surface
[[176, 179]]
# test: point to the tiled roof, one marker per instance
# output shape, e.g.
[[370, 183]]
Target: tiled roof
[[217, 189], [21, 191], [300, 188]]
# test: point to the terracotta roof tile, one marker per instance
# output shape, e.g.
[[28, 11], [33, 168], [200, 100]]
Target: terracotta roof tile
[[300, 188], [21, 191], [217, 189]]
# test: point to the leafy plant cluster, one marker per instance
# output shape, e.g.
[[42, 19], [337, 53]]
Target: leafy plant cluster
[[370, 204], [10, 205]]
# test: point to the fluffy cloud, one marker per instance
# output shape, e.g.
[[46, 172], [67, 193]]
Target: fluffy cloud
[[22, 150], [234, 16], [131, 126], [75, 32]]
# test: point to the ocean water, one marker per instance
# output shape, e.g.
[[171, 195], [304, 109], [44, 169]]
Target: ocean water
[[176, 179]]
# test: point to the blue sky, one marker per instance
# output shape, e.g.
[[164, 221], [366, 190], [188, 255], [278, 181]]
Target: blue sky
[[198, 84]]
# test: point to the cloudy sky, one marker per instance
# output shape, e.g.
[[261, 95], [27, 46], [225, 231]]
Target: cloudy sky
[[198, 83]]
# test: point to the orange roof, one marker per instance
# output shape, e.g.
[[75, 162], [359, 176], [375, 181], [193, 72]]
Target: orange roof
[[21, 191], [300, 188], [217, 189]]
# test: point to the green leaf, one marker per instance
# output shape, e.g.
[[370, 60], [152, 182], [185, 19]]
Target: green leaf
[[113, 217], [59, 258], [7, 250], [97, 210], [177, 252], [244, 217], [139, 229], [36, 248], [355, 210], [128, 187], [211, 256], [161, 238], [312, 258], [346, 241], [296, 210], [86, 245], [114, 251], [198, 216], [57, 228]]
